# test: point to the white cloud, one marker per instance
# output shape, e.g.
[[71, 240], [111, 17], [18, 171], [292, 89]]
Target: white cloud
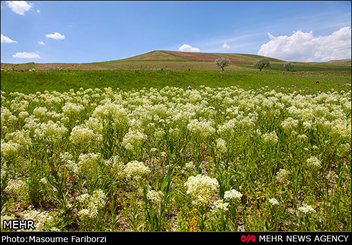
[[25, 55], [303, 46], [41, 43], [333, 47], [19, 7], [225, 46], [188, 48], [56, 36], [38, 11], [5, 39]]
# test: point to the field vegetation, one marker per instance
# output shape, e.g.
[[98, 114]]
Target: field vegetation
[[177, 150]]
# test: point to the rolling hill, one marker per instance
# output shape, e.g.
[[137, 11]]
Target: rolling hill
[[176, 60]]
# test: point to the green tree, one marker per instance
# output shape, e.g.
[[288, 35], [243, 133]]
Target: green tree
[[262, 63], [288, 66], [222, 62]]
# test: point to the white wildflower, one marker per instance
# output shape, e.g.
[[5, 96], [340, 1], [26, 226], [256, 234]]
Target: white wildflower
[[42, 220], [89, 163], [44, 181], [289, 124], [201, 128], [91, 204], [40, 111], [9, 149], [306, 209], [16, 187], [189, 165], [135, 170], [155, 196], [133, 139], [221, 145], [201, 188], [232, 194], [50, 131], [273, 201], [220, 205], [270, 138], [314, 161], [282, 175], [82, 135], [71, 109]]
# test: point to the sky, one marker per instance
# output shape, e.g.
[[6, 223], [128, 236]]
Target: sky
[[95, 31]]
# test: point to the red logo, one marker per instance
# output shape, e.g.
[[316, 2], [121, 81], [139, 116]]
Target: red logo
[[248, 238]]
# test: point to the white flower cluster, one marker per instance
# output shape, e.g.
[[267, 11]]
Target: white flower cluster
[[71, 109], [133, 139], [193, 95], [273, 201], [201, 128], [227, 128], [17, 187], [9, 149], [135, 170], [116, 166], [7, 118], [282, 175], [91, 204], [189, 165], [314, 161], [20, 137], [89, 163], [40, 111], [69, 163], [6, 217], [50, 131], [221, 145], [306, 209], [232, 194], [201, 188], [42, 220], [114, 111], [270, 138], [155, 196], [289, 124], [83, 135], [220, 205]]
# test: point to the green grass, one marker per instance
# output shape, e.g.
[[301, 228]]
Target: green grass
[[264, 140], [31, 82]]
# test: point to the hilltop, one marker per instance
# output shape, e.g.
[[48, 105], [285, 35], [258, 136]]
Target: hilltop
[[176, 60]]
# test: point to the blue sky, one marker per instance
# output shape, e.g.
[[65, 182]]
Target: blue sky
[[94, 31]]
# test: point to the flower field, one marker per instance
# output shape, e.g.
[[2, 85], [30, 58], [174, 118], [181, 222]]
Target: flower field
[[174, 159]]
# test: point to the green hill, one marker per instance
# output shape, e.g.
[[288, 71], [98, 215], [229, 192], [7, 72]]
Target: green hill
[[176, 60]]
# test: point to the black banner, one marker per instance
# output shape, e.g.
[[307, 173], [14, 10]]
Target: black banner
[[233, 237]]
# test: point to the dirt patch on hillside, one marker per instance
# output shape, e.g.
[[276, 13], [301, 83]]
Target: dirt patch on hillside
[[202, 57]]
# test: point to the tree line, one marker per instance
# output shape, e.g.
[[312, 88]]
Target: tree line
[[260, 64]]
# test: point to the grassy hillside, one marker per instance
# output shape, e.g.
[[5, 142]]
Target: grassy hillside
[[175, 60]]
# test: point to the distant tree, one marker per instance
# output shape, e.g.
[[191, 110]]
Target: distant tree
[[262, 63], [222, 62], [288, 66]]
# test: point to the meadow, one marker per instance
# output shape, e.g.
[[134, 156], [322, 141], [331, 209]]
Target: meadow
[[62, 80], [176, 150]]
